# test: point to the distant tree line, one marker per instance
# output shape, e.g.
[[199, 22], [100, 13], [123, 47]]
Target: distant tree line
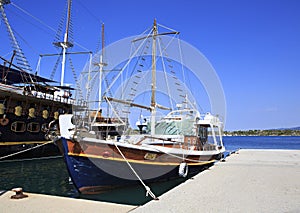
[[270, 132]]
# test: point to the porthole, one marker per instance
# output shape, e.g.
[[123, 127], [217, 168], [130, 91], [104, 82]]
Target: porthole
[[33, 127], [18, 126]]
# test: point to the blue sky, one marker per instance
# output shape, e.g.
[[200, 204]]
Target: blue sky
[[253, 45]]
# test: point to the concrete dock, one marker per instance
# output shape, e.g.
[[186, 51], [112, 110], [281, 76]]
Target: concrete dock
[[37, 203], [251, 181]]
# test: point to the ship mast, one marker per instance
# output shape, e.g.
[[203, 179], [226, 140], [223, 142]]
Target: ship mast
[[153, 86], [153, 105], [65, 44], [101, 65]]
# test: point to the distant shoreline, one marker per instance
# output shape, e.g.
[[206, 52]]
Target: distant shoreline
[[262, 135], [270, 132]]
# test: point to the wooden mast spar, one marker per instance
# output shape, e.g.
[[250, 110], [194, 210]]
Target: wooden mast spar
[[154, 104], [153, 86]]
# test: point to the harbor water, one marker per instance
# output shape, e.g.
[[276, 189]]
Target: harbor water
[[261, 142], [49, 176]]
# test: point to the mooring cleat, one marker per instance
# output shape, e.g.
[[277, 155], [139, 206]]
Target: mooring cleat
[[19, 194]]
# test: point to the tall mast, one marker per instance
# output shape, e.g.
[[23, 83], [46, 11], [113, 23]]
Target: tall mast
[[65, 44], [101, 64], [153, 86], [102, 34]]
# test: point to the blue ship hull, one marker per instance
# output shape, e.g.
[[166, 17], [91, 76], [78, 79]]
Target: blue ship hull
[[94, 174]]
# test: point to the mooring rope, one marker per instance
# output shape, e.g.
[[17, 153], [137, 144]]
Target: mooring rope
[[148, 190], [16, 153]]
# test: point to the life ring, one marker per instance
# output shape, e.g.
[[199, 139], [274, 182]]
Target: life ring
[[4, 121], [183, 169]]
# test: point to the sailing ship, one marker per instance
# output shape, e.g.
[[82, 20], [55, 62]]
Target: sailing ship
[[101, 149], [29, 104]]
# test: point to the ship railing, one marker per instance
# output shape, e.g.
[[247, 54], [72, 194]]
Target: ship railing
[[53, 97], [10, 88]]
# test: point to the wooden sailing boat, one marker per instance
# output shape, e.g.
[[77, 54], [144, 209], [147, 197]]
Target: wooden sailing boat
[[30, 104], [102, 153]]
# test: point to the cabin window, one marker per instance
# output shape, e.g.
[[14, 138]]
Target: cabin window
[[202, 134], [33, 127], [18, 126]]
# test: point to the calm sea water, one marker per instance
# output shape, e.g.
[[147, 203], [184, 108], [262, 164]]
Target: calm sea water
[[262, 142], [49, 176]]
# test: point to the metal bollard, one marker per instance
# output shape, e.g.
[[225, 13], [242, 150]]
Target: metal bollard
[[19, 194]]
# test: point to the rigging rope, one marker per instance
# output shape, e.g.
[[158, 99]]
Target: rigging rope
[[58, 60], [22, 61], [60, 27], [75, 77], [38, 20], [138, 68], [148, 190], [124, 67], [165, 70], [113, 109], [166, 27], [16, 153]]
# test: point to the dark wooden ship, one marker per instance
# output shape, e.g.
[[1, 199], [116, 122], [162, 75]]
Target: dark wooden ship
[[29, 104], [29, 111]]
